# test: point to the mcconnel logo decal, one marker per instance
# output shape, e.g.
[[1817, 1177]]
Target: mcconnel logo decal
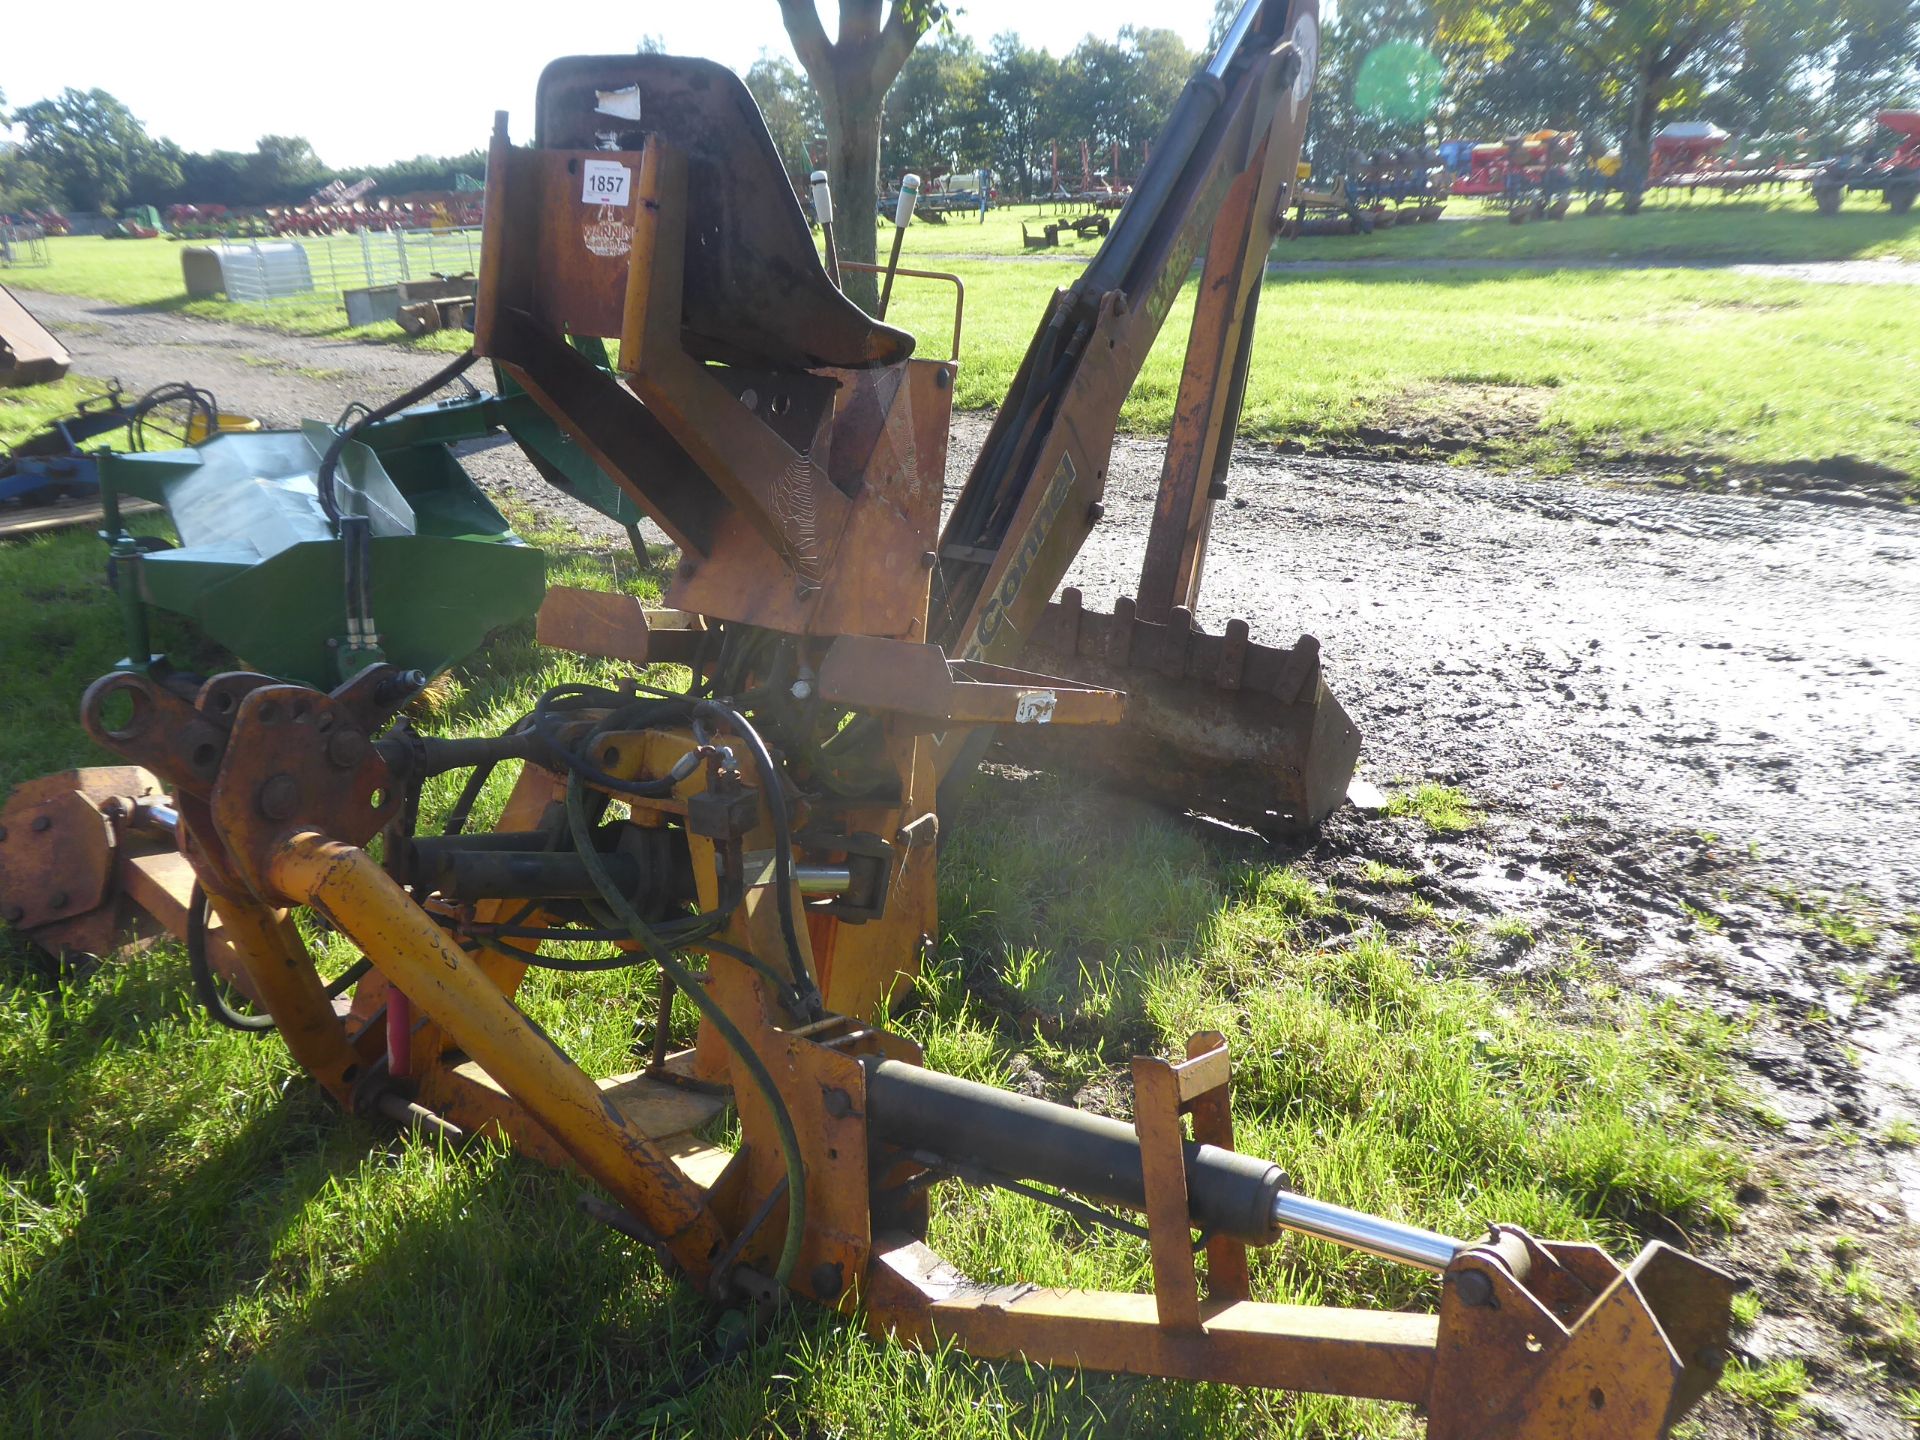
[[1011, 583]]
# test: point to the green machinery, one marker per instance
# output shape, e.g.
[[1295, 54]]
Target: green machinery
[[259, 565]]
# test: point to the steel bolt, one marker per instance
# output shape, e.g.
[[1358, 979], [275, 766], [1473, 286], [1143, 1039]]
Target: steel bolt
[[16, 913], [58, 900], [279, 797], [1095, 511], [42, 824]]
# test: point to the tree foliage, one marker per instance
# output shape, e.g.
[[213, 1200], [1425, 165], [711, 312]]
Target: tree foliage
[[936, 116], [1020, 85], [791, 109], [1627, 65], [93, 148]]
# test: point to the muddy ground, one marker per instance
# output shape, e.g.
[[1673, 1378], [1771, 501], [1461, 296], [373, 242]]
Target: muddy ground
[[1692, 720]]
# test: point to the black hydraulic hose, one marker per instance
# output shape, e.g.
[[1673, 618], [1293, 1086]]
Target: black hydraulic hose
[[627, 714], [207, 987], [711, 1011], [330, 462], [782, 846], [204, 984], [198, 402], [356, 532]]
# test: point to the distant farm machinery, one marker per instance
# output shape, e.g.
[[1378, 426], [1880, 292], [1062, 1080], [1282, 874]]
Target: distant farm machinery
[[1895, 178], [1400, 187]]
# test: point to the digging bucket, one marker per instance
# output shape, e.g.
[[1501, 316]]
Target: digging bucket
[[1216, 724]]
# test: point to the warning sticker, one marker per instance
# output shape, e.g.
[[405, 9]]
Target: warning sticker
[[1034, 707], [605, 182]]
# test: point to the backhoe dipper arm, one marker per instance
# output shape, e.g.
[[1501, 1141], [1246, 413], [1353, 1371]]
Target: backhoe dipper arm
[[1217, 184]]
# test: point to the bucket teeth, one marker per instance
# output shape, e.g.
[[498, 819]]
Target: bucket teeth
[[1234, 730]]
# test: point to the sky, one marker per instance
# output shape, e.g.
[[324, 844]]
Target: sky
[[370, 82]]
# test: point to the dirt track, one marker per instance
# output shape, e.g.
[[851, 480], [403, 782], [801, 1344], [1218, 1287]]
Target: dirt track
[[1666, 659], [1673, 704]]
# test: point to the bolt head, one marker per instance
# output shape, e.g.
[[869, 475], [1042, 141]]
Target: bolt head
[[42, 824], [58, 900], [279, 797], [16, 913], [3, 832], [1474, 1288], [346, 749]]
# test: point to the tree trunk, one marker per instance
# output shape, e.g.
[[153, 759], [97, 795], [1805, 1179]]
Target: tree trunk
[[853, 169], [851, 76], [1636, 155]]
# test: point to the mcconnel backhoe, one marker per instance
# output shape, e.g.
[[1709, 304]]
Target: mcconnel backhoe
[[765, 834]]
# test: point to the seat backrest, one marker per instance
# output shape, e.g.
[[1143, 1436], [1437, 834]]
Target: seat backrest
[[755, 292]]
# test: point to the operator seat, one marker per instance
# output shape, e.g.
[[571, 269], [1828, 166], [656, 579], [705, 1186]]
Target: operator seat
[[755, 292]]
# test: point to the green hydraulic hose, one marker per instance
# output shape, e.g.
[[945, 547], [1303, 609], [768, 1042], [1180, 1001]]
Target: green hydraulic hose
[[730, 1033]]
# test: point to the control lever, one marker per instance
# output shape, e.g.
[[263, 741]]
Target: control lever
[[823, 212], [902, 218]]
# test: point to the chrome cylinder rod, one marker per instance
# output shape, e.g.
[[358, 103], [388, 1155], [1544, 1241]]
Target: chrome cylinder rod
[[1408, 1244], [823, 879], [155, 815], [1236, 33]]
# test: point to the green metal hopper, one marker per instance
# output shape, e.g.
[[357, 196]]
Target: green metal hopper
[[259, 566]]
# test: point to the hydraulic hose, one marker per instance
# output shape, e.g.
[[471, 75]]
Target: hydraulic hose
[[204, 984], [356, 532], [207, 987], [782, 846], [710, 1011], [330, 462]]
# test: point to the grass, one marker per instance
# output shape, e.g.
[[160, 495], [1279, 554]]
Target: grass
[[24, 411], [1765, 229], [1514, 930], [1659, 368], [191, 1236], [1782, 229], [146, 274], [1443, 809], [1828, 915], [1393, 877], [1774, 1388]]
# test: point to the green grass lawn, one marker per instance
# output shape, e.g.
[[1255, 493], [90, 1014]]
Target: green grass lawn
[[1669, 368], [192, 1242], [1679, 365], [24, 411], [1670, 228], [146, 273]]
